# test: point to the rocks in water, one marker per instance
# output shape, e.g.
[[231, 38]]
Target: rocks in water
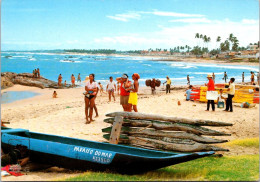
[[8, 79]]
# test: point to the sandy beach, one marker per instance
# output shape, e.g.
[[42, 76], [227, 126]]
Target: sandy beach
[[65, 116]]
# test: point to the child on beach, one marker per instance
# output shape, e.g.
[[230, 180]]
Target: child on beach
[[65, 83], [101, 88], [54, 95], [133, 93], [221, 99]]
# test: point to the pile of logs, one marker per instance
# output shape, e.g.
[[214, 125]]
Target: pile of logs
[[162, 132]]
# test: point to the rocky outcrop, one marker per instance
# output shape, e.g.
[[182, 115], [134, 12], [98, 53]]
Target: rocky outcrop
[[8, 79]]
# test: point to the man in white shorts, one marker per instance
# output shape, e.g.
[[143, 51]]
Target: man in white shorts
[[111, 87]]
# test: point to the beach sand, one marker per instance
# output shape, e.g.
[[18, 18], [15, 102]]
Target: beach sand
[[65, 116]]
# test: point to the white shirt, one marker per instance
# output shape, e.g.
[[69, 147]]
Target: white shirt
[[232, 89], [111, 85], [91, 85], [220, 99]]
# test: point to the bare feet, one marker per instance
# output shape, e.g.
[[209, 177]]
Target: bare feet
[[87, 121], [96, 116], [92, 120]]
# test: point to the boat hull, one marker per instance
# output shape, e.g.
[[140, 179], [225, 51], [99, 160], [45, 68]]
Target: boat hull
[[88, 155]]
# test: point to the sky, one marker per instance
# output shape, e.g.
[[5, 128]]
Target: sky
[[125, 24]]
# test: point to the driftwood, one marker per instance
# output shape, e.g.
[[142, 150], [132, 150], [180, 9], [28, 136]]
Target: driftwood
[[151, 143], [178, 135], [175, 127], [200, 122]]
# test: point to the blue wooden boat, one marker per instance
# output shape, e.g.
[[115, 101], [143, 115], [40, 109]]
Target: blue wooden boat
[[81, 154]]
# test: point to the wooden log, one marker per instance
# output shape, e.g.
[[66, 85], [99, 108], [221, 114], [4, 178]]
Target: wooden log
[[200, 122], [196, 147], [177, 135], [115, 133], [175, 127]]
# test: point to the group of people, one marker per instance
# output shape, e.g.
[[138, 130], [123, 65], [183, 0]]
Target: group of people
[[230, 91], [128, 93], [73, 79], [36, 73]]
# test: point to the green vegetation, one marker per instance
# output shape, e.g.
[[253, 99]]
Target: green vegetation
[[235, 168], [247, 142]]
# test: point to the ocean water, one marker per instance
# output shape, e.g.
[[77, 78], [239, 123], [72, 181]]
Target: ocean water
[[52, 64], [11, 96]]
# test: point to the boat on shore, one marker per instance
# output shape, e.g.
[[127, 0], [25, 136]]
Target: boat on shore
[[73, 153]]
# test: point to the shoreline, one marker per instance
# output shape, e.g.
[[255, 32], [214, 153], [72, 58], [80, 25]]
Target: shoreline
[[175, 59], [170, 58]]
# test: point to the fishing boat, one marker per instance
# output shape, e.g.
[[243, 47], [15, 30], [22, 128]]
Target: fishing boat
[[73, 153]]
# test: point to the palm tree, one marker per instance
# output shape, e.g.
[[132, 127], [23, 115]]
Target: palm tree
[[197, 36], [205, 40], [209, 39], [218, 40], [231, 38]]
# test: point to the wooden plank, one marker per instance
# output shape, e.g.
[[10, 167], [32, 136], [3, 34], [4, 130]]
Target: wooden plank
[[115, 132], [168, 126], [144, 116], [194, 147], [151, 133]]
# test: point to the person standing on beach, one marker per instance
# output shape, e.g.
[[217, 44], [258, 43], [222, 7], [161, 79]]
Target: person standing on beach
[[243, 77], [79, 79], [153, 85], [65, 83], [91, 91], [188, 80], [225, 77], [73, 80], [33, 74], [111, 87], [38, 73], [59, 80], [213, 77], [124, 95], [133, 93], [211, 87], [100, 88], [231, 93], [252, 78], [168, 85]]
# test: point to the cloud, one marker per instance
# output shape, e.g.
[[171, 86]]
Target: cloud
[[125, 17], [250, 21], [184, 34], [137, 15], [192, 20], [174, 14]]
